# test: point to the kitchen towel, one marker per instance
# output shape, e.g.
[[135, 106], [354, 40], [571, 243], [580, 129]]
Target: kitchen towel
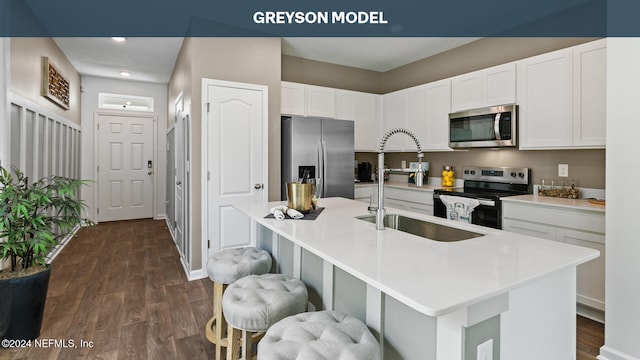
[[278, 212], [459, 208], [311, 215], [294, 214]]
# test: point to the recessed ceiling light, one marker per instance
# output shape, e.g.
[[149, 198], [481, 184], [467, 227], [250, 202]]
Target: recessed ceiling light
[[118, 38], [125, 73]]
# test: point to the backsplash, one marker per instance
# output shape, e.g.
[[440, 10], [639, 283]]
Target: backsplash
[[586, 167]]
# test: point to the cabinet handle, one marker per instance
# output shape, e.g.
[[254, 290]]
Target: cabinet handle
[[257, 186]]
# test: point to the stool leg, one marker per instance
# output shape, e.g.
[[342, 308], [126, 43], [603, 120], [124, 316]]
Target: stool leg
[[247, 336], [234, 343], [221, 324]]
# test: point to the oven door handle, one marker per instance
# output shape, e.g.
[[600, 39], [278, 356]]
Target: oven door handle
[[486, 202], [496, 126]]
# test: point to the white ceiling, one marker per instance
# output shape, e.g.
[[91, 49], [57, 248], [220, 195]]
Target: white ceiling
[[153, 59]]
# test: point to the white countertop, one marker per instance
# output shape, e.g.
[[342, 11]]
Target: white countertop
[[573, 204], [434, 278]]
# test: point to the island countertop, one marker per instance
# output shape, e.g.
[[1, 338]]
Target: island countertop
[[432, 277]]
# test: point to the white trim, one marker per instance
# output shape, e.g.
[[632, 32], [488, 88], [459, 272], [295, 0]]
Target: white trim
[[170, 128], [26, 103], [607, 353], [160, 217], [52, 255], [204, 150], [96, 158]]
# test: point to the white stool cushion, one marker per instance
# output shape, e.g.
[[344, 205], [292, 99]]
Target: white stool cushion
[[229, 265], [322, 335], [256, 302]]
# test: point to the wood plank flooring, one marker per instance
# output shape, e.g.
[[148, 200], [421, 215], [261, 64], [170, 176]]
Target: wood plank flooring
[[121, 286]]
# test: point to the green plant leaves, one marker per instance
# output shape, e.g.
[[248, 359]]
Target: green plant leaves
[[34, 216]]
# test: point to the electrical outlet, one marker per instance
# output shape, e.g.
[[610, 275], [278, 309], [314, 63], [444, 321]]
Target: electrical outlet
[[485, 350], [563, 170]]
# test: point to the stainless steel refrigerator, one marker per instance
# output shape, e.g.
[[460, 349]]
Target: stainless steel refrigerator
[[322, 146]]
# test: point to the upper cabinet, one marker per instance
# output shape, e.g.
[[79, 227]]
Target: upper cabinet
[[293, 99], [363, 109], [562, 99], [487, 87], [589, 94], [423, 110], [307, 100]]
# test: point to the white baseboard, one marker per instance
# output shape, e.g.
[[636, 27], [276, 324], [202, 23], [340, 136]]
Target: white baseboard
[[160, 217], [193, 274], [607, 353], [590, 313], [52, 255]]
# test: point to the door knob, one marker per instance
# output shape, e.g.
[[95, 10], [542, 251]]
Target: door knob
[[178, 182], [258, 186], [149, 172]]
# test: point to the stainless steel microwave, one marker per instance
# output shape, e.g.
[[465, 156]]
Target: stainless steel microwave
[[486, 127]]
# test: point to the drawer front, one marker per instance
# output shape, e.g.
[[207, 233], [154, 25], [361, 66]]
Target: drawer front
[[575, 219], [415, 196], [530, 229]]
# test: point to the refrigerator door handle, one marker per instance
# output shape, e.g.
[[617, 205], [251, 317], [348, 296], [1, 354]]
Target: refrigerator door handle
[[320, 165], [324, 162]]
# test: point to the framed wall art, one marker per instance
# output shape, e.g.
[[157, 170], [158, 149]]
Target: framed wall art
[[55, 86]]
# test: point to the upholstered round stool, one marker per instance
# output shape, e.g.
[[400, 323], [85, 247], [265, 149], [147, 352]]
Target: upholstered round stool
[[225, 267], [322, 335], [254, 303]]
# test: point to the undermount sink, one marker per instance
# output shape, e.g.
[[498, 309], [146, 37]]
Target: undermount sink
[[422, 228]]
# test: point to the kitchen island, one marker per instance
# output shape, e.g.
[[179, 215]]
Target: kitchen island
[[429, 299]]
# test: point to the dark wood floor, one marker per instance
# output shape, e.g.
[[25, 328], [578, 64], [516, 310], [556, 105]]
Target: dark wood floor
[[121, 286]]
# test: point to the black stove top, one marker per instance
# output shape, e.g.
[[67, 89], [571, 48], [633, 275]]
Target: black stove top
[[491, 183]]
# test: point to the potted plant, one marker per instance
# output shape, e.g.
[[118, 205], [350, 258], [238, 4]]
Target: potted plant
[[33, 218]]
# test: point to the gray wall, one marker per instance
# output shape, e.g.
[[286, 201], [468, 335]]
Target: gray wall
[[587, 167]]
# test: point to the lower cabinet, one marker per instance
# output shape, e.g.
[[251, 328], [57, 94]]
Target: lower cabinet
[[420, 201], [577, 227]]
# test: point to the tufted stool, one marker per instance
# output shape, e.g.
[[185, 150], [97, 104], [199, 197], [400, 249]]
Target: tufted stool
[[254, 303], [322, 335], [225, 267]]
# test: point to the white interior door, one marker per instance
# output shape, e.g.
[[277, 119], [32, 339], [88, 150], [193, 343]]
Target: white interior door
[[125, 167], [236, 159], [179, 183]]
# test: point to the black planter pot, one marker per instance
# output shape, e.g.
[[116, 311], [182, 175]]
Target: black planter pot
[[22, 305]]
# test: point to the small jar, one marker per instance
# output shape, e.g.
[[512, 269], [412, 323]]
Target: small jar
[[448, 176]]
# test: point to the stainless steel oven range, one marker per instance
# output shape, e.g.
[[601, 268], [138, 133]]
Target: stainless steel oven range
[[488, 185]]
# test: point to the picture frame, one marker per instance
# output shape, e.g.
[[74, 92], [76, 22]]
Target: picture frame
[[55, 86]]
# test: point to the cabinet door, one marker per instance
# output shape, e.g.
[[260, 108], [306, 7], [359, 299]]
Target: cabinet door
[[393, 117], [367, 137], [362, 108], [590, 88], [590, 275], [438, 103], [292, 99], [466, 91], [499, 86], [321, 101], [545, 97], [416, 111], [531, 229]]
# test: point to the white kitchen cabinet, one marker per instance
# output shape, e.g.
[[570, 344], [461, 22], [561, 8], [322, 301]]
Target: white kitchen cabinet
[[393, 117], [420, 201], [571, 226], [363, 109], [424, 110], [487, 87], [292, 97], [545, 99], [307, 100], [321, 101], [590, 94], [562, 98], [435, 133]]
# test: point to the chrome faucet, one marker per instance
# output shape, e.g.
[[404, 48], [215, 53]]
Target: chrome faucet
[[380, 212]]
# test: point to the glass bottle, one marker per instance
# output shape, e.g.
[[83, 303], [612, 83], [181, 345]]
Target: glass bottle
[[448, 176]]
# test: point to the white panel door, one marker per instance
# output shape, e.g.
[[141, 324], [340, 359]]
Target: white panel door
[[179, 181], [125, 152], [236, 153]]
